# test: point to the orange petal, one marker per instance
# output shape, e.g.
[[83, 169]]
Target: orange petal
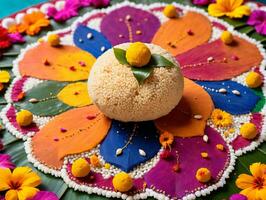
[[63, 63], [175, 31], [261, 193], [245, 181], [235, 3], [27, 192], [250, 193], [84, 128], [5, 177], [216, 10], [239, 12], [11, 195], [257, 170], [181, 121]]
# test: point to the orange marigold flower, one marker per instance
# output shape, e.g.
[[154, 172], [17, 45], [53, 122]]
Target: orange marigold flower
[[94, 160], [166, 139], [253, 186], [31, 23]]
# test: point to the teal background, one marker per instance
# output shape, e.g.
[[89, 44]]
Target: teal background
[[8, 7]]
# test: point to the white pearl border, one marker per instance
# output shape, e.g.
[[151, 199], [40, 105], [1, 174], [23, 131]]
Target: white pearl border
[[148, 192]]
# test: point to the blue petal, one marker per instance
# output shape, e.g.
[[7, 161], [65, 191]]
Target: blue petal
[[146, 138], [91, 40], [229, 101]]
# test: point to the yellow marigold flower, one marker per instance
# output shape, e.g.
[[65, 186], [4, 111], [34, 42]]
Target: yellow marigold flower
[[221, 118], [53, 40], [24, 118], [4, 76], [170, 11], [166, 139], [253, 186], [122, 182], [248, 131], [227, 37], [138, 54], [19, 184], [94, 160], [203, 175], [253, 80], [80, 168], [229, 8]]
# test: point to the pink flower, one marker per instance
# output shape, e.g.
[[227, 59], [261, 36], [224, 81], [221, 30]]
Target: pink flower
[[71, 8], [258, 20], [202, 2], [16, 38], [44, 195], [5, 161], [238, 197]]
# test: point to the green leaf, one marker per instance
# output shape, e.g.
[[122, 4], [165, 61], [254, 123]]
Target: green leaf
[[258, 37], [142, 73], [246, 29], [237, 23], [48, 104], [160, 61], [120, 55], [260, 104]]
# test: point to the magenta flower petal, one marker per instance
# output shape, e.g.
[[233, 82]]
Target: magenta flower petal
[[201, 2], [238, 197], [16, 38], [258, 19], [45, 195], [5, 161]]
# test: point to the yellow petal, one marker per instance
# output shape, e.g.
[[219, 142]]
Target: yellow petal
[[256, 169], [239, 12], [250, 193], [244, 181], [27, 192], [235, 3], [5, 176], [75, 94], [19, 173], [31, 180], [4, 77], [262, 193], [216, 10], [11, 195]]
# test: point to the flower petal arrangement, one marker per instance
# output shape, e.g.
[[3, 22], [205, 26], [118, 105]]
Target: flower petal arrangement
[[185, 153]]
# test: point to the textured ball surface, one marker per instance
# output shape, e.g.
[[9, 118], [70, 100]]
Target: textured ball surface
[[253, 80], [122, 182], [80, 168], [248, 131], [117, 93], [24, 118], [138, 54]]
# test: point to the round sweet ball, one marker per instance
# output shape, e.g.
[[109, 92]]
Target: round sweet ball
[[53, 40], [122, 182], [248, 131], [170, 11], [24, 118], [253, 80], [203, 175], [117, 93], [80, 168], [227, 37]]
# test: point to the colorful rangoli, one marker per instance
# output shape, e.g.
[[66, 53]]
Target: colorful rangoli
[[185, 154]]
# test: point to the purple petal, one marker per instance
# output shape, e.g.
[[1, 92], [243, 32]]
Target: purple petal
[[5, 161], [16, 38], [201, 2], [238, 197], [257, 17], [51, 11], [261, 28], [45, 195]]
